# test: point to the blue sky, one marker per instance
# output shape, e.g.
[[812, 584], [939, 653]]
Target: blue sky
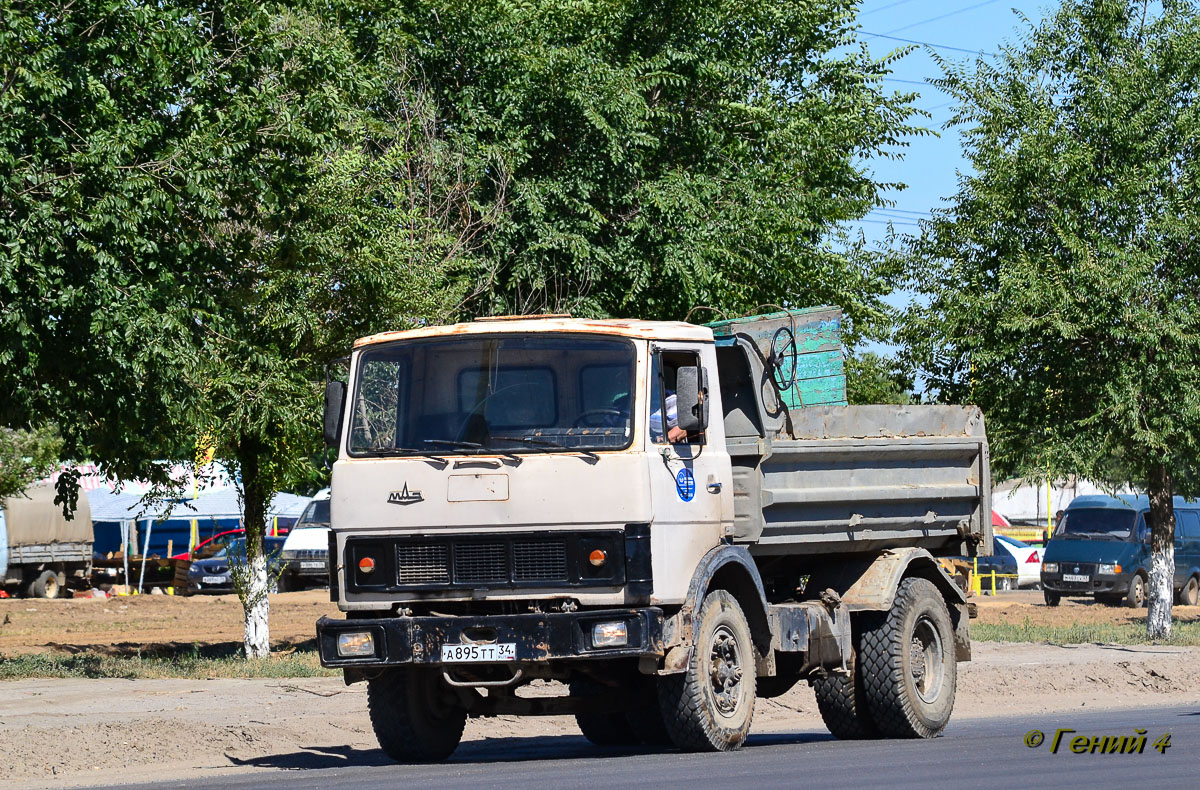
[[930, 165]]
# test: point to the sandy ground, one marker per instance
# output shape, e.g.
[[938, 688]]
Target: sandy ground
[[150, 622], [70, 733]]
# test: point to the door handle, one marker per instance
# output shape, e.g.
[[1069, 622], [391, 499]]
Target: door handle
[[713, 487]]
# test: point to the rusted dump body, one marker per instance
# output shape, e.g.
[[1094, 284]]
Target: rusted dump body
[[857, 479]]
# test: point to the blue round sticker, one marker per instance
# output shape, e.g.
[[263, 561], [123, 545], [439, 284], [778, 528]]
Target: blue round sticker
[[685, 484]]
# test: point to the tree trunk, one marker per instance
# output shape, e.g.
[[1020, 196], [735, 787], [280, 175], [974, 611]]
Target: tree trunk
[[253, 591], [1162, 553]]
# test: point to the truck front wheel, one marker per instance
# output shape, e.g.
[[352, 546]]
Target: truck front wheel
[[415, 715], [710, 706], [908, 664], [602, 729]]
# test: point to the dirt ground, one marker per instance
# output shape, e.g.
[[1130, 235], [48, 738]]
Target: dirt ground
[[70, 733], [148, 623]]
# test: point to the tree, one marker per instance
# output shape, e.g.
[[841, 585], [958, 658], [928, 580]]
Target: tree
[[871, 378], [649, 157], [1063, 281], [26, 456], [203, 206]]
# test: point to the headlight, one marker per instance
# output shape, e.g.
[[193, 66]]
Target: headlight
[[1049, 567], [1109, 569], [287, 555], [356, 644], [610, 634]]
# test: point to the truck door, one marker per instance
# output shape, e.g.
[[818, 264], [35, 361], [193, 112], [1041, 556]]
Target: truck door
[[690, 475]]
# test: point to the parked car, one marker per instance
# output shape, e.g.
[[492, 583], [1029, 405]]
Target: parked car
[[306, 551], [210, 547], [1028, 559], [1003, 563], [215, 574], [1101, 547]]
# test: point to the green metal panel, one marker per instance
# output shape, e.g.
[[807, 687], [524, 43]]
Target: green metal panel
[[818, 361]]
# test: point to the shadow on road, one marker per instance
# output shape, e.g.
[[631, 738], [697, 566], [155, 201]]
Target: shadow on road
[[498, 750]]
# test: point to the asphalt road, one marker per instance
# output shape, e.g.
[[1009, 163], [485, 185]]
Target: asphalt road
[[972, 753]]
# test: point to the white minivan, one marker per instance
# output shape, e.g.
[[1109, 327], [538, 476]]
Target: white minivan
[[305, 555]]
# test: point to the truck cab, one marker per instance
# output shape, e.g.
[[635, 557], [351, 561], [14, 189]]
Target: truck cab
[[633, 508], [502, 461]]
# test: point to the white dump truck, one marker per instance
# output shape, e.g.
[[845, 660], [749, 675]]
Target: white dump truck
[[650, 513]]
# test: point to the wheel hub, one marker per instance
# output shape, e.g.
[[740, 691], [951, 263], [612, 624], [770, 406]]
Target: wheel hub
[[725, 671], [925, 660]]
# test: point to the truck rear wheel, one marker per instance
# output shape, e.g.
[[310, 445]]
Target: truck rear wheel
[[844, 707], [710, 706], [908, 664], [415, 715], [46, 585]]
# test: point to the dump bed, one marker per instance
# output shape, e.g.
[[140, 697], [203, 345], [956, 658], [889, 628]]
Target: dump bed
[[852, 479]]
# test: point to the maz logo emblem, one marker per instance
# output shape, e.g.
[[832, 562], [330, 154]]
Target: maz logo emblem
[[405, 497]]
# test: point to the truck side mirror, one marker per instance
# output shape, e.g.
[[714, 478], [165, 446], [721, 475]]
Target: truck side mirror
[[691, 398], [335, 397]]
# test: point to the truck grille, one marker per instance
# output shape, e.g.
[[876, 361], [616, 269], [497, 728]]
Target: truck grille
[[474, 561], [537, 560], [422, 563]]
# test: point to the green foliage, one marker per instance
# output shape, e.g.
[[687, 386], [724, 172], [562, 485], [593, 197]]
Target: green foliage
[[638, 158], [26, 456], [871, 378], [1063, 283], [199, 208], [195, 665], [1185, 633]]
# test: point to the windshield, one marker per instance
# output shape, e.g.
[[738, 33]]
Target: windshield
[[1113, 522], [237, 548], [315, 515], [540, 393]]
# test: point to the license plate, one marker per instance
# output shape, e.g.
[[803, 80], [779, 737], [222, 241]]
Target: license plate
[[213, 579], [456, 654], [1075, 577], [312, 565]]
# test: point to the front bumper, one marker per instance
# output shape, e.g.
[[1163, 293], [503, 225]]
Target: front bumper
[[538, 638], [1107, 584]]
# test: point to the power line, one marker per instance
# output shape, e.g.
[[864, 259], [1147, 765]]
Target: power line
[[889, 222], [929, 44], [885, 7], [922, 83], [943, 16], [905, 211]]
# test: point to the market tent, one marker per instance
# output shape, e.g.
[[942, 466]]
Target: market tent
[[209, 513]]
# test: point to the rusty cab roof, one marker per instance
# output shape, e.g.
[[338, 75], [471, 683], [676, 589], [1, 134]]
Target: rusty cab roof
[[526, 324]]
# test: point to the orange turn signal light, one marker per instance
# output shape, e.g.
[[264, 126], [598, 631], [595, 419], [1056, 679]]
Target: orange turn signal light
[[366, 565], [598, 557]]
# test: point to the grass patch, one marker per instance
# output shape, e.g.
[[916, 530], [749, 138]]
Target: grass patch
[[1183, 633], [193, 666]]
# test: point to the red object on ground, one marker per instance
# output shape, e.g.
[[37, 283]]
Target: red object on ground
[[3, 594]]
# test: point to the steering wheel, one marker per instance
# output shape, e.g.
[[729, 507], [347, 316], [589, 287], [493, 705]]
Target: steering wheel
[[581, 420], [478, 407], [783, 358]]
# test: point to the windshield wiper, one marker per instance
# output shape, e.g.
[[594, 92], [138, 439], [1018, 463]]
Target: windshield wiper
[[548, 446], [476, 446], [399, 451]]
